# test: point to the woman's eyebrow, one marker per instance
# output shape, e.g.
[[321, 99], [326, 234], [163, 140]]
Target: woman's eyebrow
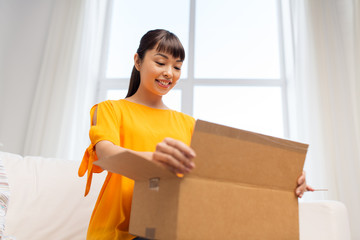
[[164, 56]]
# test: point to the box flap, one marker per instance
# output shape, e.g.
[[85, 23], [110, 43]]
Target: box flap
[[133, 166], [229, 154]]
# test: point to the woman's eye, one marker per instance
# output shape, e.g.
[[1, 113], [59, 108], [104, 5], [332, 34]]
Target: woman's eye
[[177, 68], [159, 63]]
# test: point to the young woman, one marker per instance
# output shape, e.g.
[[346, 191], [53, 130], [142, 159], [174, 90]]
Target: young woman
[[144, 124]]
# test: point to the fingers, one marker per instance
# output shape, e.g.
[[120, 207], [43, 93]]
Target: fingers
[[309, 188], [299, 191], [167, 152], [301, 185], [301, 179], [170, 162], [169, 167], [174, 155], [185, 149]]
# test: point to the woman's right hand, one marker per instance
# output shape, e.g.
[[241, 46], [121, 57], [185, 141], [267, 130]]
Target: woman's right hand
[[174, 155]]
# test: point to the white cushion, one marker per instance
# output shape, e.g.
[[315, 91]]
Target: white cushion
[[47, 198], [323, 220]]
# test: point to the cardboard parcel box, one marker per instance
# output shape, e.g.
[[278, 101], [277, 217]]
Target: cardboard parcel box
[[242, 188]]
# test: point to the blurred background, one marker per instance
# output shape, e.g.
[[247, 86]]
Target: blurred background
[[286, 68]]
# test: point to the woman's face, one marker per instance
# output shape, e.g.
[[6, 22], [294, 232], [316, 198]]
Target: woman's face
[[159, 72]]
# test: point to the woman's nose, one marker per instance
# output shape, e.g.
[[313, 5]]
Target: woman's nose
[[168, 72]]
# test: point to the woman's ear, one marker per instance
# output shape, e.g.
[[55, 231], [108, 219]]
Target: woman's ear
[[137, 61]]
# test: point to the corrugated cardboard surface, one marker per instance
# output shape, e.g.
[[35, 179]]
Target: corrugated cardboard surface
[[242, 188], [234, 155], [155, 209], [219, 210]]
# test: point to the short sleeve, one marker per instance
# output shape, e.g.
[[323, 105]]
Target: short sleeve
[[107, 124], [107, 127]]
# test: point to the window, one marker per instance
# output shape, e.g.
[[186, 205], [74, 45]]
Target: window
[[233, 73]]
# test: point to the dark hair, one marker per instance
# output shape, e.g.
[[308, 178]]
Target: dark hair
[[165, 41]]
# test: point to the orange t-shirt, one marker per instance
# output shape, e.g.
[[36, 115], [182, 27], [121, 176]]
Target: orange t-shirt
[[132, 126]]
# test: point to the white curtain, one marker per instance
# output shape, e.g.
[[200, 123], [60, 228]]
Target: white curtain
[[327, 82], [66, 87]]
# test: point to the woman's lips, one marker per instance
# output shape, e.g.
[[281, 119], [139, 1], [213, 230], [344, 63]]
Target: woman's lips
[[163, 83]]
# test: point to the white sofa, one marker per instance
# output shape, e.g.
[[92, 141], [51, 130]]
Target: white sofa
[[47, 202], [47, 198]]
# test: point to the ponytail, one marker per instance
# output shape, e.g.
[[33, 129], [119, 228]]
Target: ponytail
[[134, 82]]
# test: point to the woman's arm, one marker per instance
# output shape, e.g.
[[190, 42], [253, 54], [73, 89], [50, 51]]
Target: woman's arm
[[172, 154], [106, 149], [177, 157]]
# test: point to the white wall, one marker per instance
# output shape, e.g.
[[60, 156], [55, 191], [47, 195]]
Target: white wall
[[23, 30]]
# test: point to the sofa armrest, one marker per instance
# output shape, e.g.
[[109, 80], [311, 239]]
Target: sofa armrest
[[323, 220], [47, 198]]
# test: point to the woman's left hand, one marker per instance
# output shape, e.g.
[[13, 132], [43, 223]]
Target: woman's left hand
[[302, 187]]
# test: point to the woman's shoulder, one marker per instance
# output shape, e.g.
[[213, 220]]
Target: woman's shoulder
[[105, 109], [105, 103], [185, 117], [109, 104]]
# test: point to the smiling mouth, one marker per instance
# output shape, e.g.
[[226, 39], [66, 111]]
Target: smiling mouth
[[164, 83]]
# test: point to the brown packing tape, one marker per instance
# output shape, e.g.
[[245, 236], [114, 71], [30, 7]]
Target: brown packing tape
[[150, 233], [154, 184], [221, 130]]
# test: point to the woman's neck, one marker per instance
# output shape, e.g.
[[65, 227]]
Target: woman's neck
[[147, 100]]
